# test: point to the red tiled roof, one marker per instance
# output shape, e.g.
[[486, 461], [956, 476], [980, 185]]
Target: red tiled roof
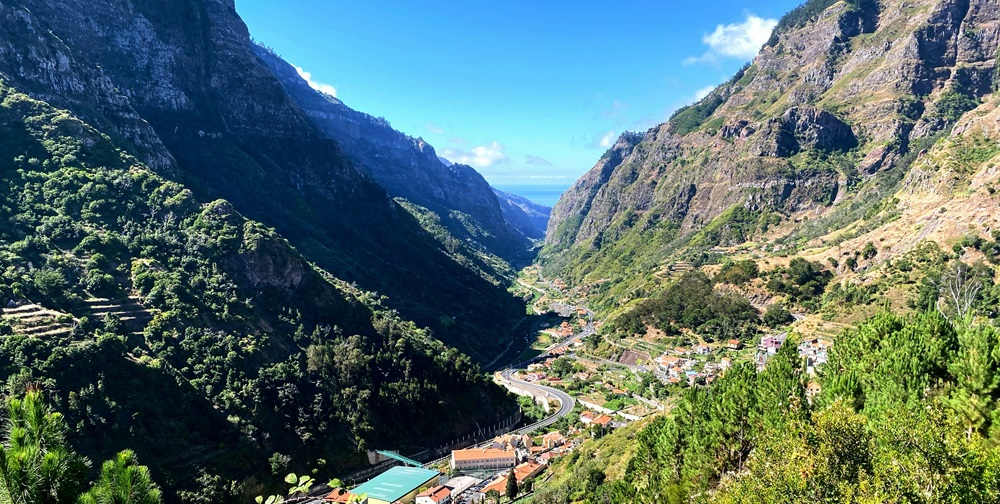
[[437, 494]]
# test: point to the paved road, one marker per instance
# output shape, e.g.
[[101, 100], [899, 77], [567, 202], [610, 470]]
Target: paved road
[[566, 402]]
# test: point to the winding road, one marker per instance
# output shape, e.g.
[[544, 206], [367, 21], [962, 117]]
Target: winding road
[[566, 405], [566, 402]]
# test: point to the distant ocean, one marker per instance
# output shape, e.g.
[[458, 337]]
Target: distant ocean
[[547, 194]]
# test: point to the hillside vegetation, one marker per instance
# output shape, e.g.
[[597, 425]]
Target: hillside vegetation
[[907, 413], [250, 352]]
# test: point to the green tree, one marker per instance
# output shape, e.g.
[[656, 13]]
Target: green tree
[[511, 490], [975, 369], [123, 481], [493, 496], [776, 315], [869, 251], [51, 284]]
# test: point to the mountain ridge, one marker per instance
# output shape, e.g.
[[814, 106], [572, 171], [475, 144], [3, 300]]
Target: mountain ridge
[[824, 115], [409, 167]]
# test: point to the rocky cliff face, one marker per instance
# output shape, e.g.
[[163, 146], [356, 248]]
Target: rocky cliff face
[[179, 84], [408, 167], [526, 215], [826, 113]]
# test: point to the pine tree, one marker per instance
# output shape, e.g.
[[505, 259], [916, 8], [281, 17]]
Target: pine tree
[[974, 368], [511, 485], [36, 466], [123, 481]]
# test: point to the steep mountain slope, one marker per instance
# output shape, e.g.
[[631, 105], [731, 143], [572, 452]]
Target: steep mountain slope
[[179, 84], [526, 215], [408, 167], [248, 352], [815, 133]]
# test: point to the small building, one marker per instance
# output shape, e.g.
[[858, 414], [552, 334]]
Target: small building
[[604, 421], [460, 484], [553, 439], [771, 344], [734, 344], [812, 390], [498, 485], [702, 349], [511, 441], [725, 363], [398, 485], [483, 458], [666, 362], [436, 495], [526, 471], [587, 417]]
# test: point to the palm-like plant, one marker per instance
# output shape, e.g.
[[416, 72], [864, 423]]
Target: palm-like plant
[[123, 481]]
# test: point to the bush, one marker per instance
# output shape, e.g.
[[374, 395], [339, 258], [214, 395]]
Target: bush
[[777, 315], [802, 281], [738, 273], [953, 104]]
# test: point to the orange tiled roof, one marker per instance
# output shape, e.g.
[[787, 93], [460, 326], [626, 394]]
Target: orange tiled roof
[[525, 470], [602, 420], [482, 454], [499, 484]]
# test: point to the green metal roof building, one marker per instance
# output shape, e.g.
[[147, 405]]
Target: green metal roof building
[[397, 485]]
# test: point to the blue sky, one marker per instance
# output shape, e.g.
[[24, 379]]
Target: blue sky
[[528, 92]]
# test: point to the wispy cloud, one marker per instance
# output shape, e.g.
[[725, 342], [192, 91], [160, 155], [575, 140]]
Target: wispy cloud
[[537, 161], [318, 86], [481, 156], [703, 92], [736, 40], [603, 140], [434, 128]]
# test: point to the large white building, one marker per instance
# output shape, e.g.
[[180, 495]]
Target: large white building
[[483, 458]]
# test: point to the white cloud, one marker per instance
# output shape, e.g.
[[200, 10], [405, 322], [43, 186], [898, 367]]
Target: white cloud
[[433, 128], [318, 86], [480, 156], [736, 40], [607, 140]]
